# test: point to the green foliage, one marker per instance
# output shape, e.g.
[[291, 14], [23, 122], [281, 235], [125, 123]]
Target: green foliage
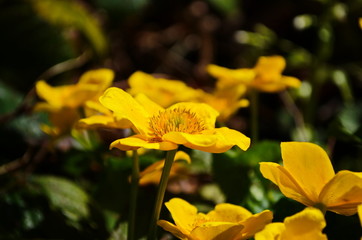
[[64, 195]]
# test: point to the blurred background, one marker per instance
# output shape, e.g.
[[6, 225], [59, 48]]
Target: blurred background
[[70, 192]]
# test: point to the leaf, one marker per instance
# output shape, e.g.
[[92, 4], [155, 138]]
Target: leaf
[[67, 13], [65, 196]]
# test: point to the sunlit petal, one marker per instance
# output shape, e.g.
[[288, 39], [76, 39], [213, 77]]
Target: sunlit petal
[[343, 193], [286, 183], [255, 223], [172, 228], [271, 231], [124, 105], [309, 165], [137, 141], [216, 231], [307, 224]]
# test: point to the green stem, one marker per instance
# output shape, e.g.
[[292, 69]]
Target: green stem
[[254, 107], [161, 193], [134, 191]]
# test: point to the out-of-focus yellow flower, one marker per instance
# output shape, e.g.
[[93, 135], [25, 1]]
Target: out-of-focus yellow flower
[[152, 174], [307, 224], [308, 177], [63, 102], [188, 124], [360, 22], [266, 76], [164, 92], [226, 221], [226, 101], [90, 86]]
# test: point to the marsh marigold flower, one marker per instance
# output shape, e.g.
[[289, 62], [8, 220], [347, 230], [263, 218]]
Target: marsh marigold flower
[[164, 92], [307, 176], [307, 224], [188, 124], [226, 221], [266, 76], [63, 102]]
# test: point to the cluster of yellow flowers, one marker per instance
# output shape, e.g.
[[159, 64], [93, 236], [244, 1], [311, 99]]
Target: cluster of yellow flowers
[[164, 114]]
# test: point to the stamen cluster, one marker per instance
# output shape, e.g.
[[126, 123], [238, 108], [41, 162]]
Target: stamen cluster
[[174, 120]]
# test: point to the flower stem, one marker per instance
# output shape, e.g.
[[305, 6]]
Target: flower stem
[[161, 193], [254, 115], [134, 192]]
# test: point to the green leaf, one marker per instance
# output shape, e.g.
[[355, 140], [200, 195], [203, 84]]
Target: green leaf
[[64, 195], [67, 13]]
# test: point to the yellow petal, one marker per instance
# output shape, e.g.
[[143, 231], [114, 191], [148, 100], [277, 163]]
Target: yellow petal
[[137, 141], [343, 193], [291, 81], [232, 137], [97, 121], [255, 223], [181, 155], [272, 65], [216, 231], [102, 78], [175, 230], [55, 96], [307, 224], [309, 165], [190, 139], [125, 106], [286, 183], [183, 213], [271, 231], [150, 106], [225, 212]]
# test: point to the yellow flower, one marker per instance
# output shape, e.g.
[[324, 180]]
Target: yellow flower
[[164, 92], [90, 86], [308, 177], [63, 102], [226, 101], [226, 221], [152, 174], [307, 224], [188, 124], [266, 76]]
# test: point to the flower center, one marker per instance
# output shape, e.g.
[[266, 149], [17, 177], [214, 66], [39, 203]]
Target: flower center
[[174, 120]]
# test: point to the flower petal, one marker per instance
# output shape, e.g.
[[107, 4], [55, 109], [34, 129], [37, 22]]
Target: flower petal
[[285, 181], [101, 78], [124, 105], [137, 141], [187, 139], [225, 212], [175, 230], [307, 224], [271, 231], [216, 231], [232, 137], [183, 213], [150, 106], [255, 223], [309, 165], [343, 193], [103, 121]]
